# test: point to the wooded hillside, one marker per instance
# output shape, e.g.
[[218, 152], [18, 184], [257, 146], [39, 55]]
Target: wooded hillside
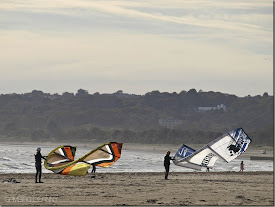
[[38, 116]]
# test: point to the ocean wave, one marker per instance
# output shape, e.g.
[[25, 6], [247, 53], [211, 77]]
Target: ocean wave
[[5, 159], [10, 166], [25, 164]]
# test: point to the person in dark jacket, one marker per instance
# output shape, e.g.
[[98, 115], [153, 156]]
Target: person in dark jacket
[[38, 167], [167, 159]]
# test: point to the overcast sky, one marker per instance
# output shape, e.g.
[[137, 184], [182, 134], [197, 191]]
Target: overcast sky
[[136, 46]]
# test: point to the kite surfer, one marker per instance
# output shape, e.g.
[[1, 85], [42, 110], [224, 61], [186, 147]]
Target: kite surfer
[[241, 166], [167, 159], [38, 167]]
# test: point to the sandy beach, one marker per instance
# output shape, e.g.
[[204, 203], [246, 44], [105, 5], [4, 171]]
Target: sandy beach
[[183, 188]]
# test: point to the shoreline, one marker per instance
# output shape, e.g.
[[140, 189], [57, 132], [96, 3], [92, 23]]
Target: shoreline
[[141, 188], [48, 173], [187, 172]]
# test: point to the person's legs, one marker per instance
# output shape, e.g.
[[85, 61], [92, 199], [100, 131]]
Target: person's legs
[[167, 172], [36, 173], [40, 172], [93, 170]]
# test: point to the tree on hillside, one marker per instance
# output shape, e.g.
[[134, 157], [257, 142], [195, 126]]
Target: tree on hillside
[[82, 92]]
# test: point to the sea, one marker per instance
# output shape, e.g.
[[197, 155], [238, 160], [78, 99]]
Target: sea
[[19, 158]]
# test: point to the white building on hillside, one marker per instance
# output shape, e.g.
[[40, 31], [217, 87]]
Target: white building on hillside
[[218, 107], [170, 122]]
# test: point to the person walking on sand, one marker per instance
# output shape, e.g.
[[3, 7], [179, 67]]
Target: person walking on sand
[[38, 167], [241, 166], [167, 159]]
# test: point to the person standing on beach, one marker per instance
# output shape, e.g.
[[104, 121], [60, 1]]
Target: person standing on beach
[[94, 168], [167, 159], [241, 166], [38, 167]]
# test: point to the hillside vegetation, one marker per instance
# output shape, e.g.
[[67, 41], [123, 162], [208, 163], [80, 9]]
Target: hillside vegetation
[[39, 116]]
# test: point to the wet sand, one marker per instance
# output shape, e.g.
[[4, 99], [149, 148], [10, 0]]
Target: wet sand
[[182, 188]]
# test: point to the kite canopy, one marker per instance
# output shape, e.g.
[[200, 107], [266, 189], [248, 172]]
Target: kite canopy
[[226, 147], [61, 159]]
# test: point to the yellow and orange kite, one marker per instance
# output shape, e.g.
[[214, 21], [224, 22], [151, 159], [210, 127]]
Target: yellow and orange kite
[[61, 159]]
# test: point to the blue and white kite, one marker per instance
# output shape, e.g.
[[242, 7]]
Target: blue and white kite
[[226, 147]]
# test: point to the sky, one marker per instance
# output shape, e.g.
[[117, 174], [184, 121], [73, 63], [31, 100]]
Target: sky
[[137, 46]]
